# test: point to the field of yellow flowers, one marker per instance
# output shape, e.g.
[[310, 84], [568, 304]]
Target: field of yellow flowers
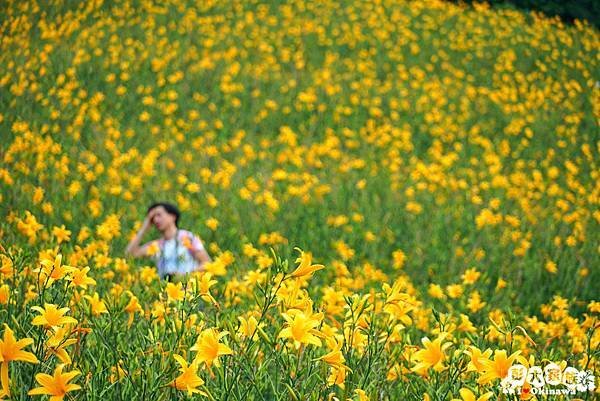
[[401, 200]]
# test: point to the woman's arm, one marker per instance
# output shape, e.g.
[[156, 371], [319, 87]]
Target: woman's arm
[[134, 249], [203, 258]]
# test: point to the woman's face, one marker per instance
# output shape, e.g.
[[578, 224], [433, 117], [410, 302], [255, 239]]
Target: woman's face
[[161, 219]]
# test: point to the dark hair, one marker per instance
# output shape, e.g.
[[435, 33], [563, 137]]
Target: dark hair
[[169, 207]]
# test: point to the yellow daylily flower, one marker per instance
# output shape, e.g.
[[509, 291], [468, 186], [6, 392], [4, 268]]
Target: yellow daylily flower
[[51, 316], [12, 350], [56, 385], [305, 268], [208, 347], [188, 380]]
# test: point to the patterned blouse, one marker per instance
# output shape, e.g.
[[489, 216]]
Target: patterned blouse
[[175, 255]]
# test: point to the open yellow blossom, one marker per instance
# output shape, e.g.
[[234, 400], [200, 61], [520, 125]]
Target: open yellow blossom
[[61, 233], [454, 290], [474, 302], [335, 358], [208, 347], [203, 287], [174, 292], [435, 291], [52, 270], [131, 308], [466, 324], [212, 223], [399, 257], [550, 266], [217, 267], [98, 306], [57, 385], [432, 356], [477, 358], [153, 248], [57, 343], [51, 316], [249, 327], [500, 284], [6, 267], [362, 395], [497, 368], [79, 278], [397, 303], [301, 328], [359, 338], [12, 350], [470, 276], [188, 380], [468, 395], [337, 376], [305, 268]]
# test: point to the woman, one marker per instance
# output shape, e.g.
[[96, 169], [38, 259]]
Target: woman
[[177, 252]]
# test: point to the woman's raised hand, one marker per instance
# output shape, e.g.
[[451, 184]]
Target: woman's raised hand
[[148, 220]]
